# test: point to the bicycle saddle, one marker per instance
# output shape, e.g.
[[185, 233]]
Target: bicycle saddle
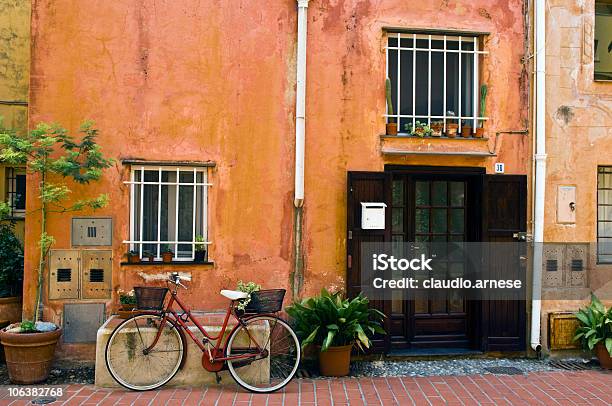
[[234, 294]]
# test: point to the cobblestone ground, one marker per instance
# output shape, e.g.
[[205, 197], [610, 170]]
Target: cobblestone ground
[[593, 387]]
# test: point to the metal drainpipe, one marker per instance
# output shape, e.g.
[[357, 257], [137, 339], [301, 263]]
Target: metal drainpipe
[[300, 133], [540, 170]]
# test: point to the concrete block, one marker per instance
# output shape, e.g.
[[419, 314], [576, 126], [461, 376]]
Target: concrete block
[[191, 375]]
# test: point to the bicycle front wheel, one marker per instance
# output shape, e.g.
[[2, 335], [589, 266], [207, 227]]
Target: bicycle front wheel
[[133, 367], [267, 354]]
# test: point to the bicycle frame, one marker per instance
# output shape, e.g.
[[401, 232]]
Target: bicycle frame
[[180, 322]]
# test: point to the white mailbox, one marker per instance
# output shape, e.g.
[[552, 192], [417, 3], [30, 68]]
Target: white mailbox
[[373, 216]]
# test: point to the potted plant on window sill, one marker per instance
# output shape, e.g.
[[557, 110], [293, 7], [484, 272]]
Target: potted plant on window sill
[[436, 128], [391, 127], [483, 98], [595, 331], [419, 130], [133, 257], [200, 250], [466, 129], [335, 325], [451, 125], [50, 155], [167, 255], [150, 257]]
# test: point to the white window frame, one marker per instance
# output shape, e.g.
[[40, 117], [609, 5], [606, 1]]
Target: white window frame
[[475, 118], [133, 242]]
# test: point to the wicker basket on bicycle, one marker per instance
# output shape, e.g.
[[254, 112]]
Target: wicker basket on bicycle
[[150, 298], [265, 301]]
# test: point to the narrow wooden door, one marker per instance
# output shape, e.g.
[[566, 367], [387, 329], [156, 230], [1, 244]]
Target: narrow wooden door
[[504, 216], [365, 187]]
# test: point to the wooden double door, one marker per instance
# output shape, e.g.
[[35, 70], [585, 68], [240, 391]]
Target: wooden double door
[[439, 204]]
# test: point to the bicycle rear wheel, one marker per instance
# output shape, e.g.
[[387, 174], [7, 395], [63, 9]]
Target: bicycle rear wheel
[[266, 371], [127, 361]]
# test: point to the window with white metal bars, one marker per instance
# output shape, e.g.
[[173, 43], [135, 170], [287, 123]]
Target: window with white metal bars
[[434, 78], [168, 211], [16, 191], [604, 214]]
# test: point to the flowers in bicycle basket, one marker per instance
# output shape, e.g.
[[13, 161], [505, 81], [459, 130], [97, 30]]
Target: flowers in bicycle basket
[[249, 288], [126, 298]]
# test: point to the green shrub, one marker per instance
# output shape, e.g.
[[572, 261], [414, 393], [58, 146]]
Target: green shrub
[[596, 325], [329, 320], [11, 261]]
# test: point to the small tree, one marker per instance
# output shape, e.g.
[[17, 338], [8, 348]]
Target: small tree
[[53, 155]]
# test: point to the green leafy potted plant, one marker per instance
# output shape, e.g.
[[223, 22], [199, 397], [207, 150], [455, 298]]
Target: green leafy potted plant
[[391, 124], [127, 300], [595, 331], [335, 325], [483, 104], [200, 249], [133, 257], [248, 288], [466, 129], [51, 156], [451, 125], [167, 254], [419, 130], [11, 269]]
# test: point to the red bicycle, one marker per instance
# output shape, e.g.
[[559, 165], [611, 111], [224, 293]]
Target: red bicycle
[[261, 352]]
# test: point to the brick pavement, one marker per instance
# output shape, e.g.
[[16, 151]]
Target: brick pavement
[[541, 388]]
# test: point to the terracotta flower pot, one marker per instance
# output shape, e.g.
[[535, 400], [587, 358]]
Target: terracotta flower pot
[[391, 128], [479, 132], [29, 356], [167, 257], [451, 130], [603, 356], [335, 361], [436, 130], [466, 131], [133, 259]]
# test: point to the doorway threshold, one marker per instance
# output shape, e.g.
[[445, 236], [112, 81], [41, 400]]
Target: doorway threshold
[[429, 352]]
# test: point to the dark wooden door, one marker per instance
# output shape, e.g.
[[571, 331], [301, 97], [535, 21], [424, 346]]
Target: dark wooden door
[[365, 187], [504, 215]]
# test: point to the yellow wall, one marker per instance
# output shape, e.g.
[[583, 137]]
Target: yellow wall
[[14, 74]]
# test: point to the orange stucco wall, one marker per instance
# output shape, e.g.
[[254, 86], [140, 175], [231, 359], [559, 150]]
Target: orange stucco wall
[[579, 139], [215, 80]]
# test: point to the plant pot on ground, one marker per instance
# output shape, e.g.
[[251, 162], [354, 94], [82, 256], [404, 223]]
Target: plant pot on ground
[[336, 325], [595, 331], [29, 352]]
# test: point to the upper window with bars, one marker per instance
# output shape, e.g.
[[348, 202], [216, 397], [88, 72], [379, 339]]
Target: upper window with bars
[[168, 211], [434, 79]]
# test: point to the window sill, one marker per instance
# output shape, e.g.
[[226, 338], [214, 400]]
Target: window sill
[[173, 263], [429, 137]]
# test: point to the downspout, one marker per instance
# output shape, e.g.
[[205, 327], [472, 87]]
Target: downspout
[[540, 170], [300, 134]]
